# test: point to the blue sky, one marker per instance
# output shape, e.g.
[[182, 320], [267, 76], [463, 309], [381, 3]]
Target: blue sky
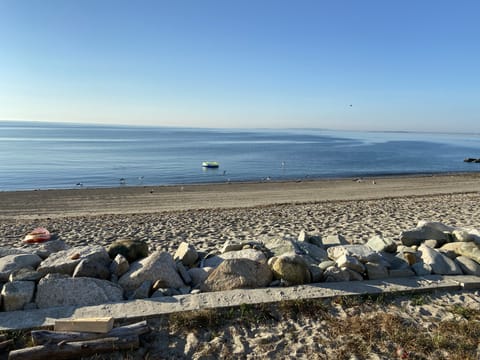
[[402, 65]]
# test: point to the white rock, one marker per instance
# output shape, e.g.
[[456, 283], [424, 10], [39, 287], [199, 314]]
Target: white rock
[[440, 263], [17, 294]]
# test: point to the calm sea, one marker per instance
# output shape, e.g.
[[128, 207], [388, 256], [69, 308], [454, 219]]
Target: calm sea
[[37, 155]]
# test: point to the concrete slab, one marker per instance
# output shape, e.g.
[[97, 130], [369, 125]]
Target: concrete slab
[[467, 282], [132, 310]]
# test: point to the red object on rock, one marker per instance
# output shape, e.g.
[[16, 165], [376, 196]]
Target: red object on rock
[[37, 235]]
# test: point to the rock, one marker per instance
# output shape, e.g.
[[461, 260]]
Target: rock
[[468, 266], [421, 269], [143, 291], [470, 250], [361, 252], [198, 275], [312, 254], [395, 273], [250, 254], [354, 275], [49, 247], [462, 235], [311, 239], [211, 261], [10, 263], [435, 225], [410, 258], [452, 247], [290, 267], [335, 274], [398, 261], [351, 263], [334, 240], [440, 264], [238, 274], [61, 290], [16, 294], [186, 253], [326, 264], [231, 246], [4, 251], [379, 243], [316, 273], [376, 271], [279, 247], [24, 274], [432, 243], [132, 250], [65, 261], [119, 265], [183, 273], [158, 266], [92, 268], [417, 235]]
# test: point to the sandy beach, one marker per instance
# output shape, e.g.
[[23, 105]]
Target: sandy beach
[[208, 215]]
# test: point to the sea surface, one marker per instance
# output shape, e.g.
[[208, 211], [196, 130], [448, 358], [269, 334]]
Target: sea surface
[[38, 155]]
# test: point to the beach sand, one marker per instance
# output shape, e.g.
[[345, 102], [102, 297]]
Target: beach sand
[[208, 215]]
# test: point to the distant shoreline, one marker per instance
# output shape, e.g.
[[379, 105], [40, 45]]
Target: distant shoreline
[[150, 199]]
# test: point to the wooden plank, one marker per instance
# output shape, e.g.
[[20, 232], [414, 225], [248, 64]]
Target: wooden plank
[[95, 325]]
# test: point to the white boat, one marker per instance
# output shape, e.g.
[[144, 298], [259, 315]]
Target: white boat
[[210, 164]]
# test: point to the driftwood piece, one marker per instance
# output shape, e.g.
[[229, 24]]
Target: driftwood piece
[[43, 337], [76, 350]]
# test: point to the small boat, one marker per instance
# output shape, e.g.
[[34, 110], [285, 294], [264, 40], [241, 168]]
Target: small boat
[[210, 164], [37, 235]]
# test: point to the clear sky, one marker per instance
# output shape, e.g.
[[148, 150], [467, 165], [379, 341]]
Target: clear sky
[[356, 64]]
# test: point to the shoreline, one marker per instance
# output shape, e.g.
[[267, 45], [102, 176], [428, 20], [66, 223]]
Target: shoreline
[[153, 199]]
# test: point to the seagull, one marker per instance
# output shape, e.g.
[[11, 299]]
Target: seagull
[[80, 184], [122, 181]]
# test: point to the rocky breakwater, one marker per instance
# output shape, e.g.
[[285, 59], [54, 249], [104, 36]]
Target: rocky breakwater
[[55, 274]]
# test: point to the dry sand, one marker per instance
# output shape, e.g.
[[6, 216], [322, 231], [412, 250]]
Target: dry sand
[[208, 215]]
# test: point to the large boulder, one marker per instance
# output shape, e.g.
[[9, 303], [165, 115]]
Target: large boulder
[[468, 266], [159, 266], [336, 274], [65, 262], [251, 254], [311, 253], [198, 275], [334, 240], [470, 250], [440, 264], [10, 263], [425, 231], [292, 268], [16, 294], [92, 268], [238, 274], [186, 253], [132, 250], [361, 252], [350, 262], [379, 243], [61, 290]]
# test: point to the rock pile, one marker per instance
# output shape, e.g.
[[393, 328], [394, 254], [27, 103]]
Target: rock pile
[[54, 274]]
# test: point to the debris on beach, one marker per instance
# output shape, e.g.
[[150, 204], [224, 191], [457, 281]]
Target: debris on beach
[[37, 235]]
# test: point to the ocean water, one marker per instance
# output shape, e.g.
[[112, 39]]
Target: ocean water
[[35, 155]]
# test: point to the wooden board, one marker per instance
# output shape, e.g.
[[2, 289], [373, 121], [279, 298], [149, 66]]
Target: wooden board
[[96, 325]]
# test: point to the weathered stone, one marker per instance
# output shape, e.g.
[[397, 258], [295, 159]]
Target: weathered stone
[[335, 274], [4, 251], [398, 261], [158, 266], [49, 247], [143, 291], [250, 254], [280, 246], [379, 243], [468, 266], [119, 265], [212, 261], [462, 235], [183, 273], [421, 269], [132, 250], [435, 225], [316, 273], [470, 250], [311, 253], [361, 252], [334, 240], [61, 290], [198, 275], [292, 268], [326, 264], [376, 271], [350, 262], [354, 275], [311, 239], [92, 268], [186, 253], [432, 243], [24, 274], [453, 247], [10, 263], [238, 274], [395, 273], [65, 261], [231, 246], [440, 264], [419, 234], [16, 294]]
